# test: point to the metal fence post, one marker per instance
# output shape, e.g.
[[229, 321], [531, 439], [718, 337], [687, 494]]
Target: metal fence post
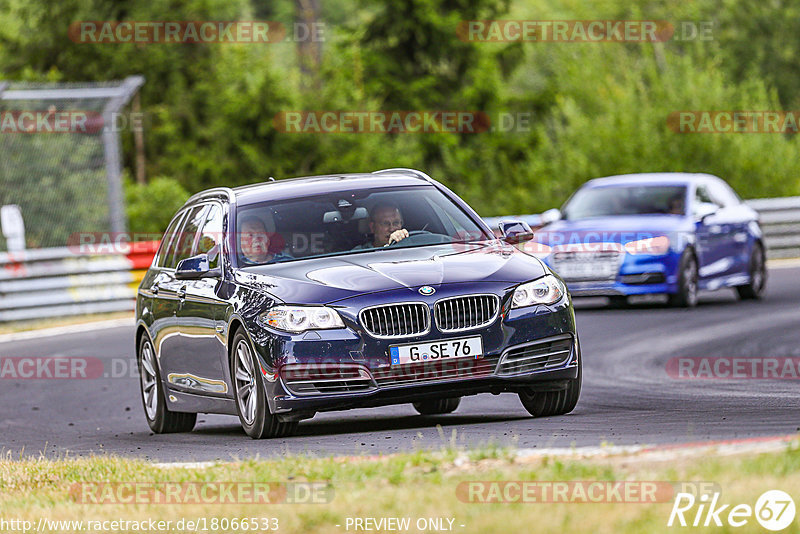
[[112, 150]]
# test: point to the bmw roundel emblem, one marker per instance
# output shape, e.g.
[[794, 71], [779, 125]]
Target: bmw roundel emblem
[[426, 290]]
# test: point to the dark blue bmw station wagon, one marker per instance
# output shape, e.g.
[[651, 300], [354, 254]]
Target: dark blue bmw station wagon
[[278, 300]]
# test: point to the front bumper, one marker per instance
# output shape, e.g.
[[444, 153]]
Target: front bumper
[[639, 274], [456, 378], [524, 349]]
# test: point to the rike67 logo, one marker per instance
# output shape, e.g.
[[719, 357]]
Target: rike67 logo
[[774, 510]]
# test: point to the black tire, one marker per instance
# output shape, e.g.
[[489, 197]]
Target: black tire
[[758, 275], [548, 403], [686, 297], [618, 302], [256, 419], [438, 406], [159, 418]]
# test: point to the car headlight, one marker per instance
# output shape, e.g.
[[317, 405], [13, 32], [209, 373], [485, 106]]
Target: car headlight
[[545, 290], [653, 245], [296, 319]]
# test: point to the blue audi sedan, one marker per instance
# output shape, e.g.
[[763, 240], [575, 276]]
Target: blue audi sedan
[[278, 300], [667, 233]]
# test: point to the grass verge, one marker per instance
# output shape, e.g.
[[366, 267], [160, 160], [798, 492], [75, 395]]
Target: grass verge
[[417, 485]]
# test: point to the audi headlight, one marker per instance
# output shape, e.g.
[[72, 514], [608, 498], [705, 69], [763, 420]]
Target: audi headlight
[[545, 290], [296, 319], [656, 246]]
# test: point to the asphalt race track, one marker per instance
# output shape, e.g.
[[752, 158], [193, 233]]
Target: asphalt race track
[[628, 396]]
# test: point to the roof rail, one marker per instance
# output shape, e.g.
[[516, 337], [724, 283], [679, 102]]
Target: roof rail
[[216, 192], [406, 171]]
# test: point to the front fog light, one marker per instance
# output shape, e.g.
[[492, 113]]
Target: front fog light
[[296, 319]]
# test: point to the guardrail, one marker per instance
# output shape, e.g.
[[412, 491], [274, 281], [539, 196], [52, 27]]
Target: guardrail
[[52, 282], [780, 221]]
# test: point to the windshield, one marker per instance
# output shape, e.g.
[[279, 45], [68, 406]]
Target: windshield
[[626, 200], [349, 223]]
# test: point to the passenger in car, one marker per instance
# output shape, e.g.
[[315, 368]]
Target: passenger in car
[[386, 226], [254, 241]]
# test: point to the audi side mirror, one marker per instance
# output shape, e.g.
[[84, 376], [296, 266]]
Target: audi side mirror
[[703, 210], [550, 216]]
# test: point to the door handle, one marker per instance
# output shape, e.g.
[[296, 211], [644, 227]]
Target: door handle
[[154, 289], [182, 293]]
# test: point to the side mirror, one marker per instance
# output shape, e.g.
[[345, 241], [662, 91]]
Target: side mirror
[[704, 209], [195, 268], [550, 216], [515, 231]]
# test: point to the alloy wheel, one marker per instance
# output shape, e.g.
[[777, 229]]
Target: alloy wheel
[[757, 276], [149, 381], [690, 275], [246, 391]]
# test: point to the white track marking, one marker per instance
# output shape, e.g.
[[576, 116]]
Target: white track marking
[[69, 329]]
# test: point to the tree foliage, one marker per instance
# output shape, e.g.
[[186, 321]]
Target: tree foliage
[[595, 108]]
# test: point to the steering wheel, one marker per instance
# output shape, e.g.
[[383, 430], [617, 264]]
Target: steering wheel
[[411, 234]]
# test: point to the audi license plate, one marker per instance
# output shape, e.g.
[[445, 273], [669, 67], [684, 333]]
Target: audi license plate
[[448, 349], [586, 270]]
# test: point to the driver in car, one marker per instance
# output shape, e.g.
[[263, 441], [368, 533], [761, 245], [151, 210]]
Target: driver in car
[[386, 225], [676, 205]]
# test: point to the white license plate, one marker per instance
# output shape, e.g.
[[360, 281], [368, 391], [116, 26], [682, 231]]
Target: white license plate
[[585, 270], [447, 349]]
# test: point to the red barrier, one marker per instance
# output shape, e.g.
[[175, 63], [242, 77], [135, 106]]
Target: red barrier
[[141, 253]]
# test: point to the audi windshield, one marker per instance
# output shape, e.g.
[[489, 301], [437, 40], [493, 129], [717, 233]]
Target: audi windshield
[[609, 201]]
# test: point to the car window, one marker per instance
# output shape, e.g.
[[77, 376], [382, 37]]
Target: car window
[[703, 195], [455, 222], [722, 194], [166, 249], [349, 222], [210, 239], [616, 200], [185, 239]]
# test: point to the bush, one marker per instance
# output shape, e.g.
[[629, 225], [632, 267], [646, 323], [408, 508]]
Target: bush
[[151, 206]]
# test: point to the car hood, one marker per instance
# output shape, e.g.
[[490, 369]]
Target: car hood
[[327, 280], [620, 229]]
